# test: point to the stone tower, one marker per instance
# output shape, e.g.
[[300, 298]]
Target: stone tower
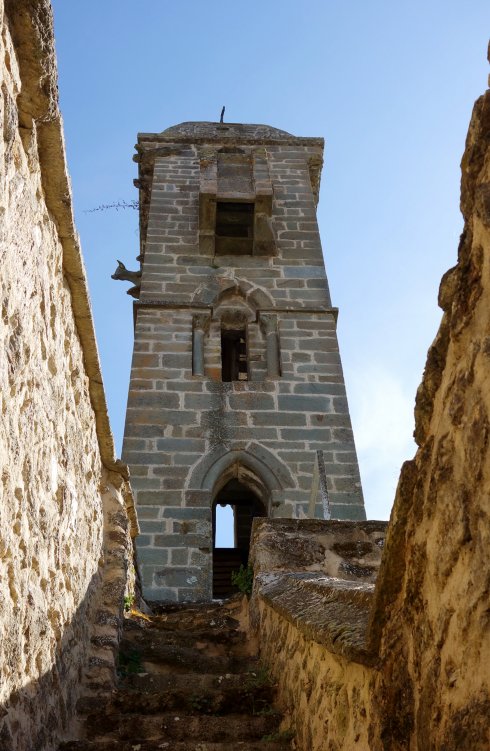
[[237, 394]]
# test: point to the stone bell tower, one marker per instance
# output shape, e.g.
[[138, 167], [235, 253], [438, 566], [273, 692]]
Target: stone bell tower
[[237, 394]]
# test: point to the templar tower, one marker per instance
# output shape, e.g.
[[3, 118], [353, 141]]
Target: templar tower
[[237, 394]]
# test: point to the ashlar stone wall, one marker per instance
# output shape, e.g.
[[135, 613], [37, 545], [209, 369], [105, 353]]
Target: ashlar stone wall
[[64, 529], [187, 431]]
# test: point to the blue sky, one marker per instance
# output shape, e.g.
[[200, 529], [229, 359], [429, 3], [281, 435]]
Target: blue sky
[[389, 85]]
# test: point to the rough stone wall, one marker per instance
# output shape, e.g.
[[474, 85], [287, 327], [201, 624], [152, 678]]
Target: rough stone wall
[[64, 544], [313, 590], [325, 697], [184, 431], [432, 621], [337, 549], [424, 642]]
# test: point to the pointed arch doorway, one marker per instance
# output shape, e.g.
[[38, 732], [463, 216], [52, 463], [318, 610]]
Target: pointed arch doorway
[[234, 509]]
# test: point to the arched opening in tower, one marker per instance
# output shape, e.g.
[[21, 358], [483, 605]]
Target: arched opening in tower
[[234, 509]]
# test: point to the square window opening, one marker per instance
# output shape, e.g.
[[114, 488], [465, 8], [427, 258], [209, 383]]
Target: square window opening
[[234, 228]]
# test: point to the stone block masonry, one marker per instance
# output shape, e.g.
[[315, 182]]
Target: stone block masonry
[[231, 248]]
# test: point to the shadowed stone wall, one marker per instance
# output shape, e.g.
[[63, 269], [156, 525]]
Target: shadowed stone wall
[[65, 547], [186, 431]]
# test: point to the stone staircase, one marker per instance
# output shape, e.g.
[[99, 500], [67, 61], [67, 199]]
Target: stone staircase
[[188, 682]]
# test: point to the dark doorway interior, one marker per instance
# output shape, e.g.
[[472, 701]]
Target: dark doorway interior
[[245, 505], [234, 355], [234, 228]]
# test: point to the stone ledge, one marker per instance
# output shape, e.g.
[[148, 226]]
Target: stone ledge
[[178, 138], [192, 306], [331, 612], [319, 576]]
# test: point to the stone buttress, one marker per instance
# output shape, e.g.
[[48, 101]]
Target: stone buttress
[[237, 394]]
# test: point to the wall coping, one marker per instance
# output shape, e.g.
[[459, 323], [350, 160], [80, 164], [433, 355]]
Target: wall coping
[[331, 612]]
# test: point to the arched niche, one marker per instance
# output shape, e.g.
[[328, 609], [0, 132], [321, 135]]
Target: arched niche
[[239, 323], [232, 318], [256, 297], [255, 465], [262, 480], [218, 287]]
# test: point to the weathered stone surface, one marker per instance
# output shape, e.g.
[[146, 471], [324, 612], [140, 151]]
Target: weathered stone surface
[[189, 680], [313, 592], [64, 543], [344, 550], [121, 745], [328, 611], [324, 696]]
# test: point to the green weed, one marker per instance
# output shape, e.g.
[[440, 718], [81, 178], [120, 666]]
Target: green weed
[[256, 692], [243, 579], [200, 703], [128, 603]]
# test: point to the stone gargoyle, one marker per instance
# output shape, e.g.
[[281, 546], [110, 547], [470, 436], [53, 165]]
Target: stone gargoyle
[[123, 274]]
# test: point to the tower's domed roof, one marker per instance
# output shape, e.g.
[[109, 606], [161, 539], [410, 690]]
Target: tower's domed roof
[[225, 130]]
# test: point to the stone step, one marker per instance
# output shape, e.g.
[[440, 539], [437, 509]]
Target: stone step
[[190, 616], [200, 639], [180, 727], [214, 617], [212, 638], [206, 694], [152, 656], [188, 681], [158, 745], [214, 622], [199, 682], [206, 638]]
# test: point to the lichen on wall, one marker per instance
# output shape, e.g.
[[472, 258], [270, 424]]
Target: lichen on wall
[[64, 543]]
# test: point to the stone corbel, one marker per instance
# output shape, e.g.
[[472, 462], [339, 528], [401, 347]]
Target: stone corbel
[[315, 164], [200, 327], [208, 188], [268, 324]]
